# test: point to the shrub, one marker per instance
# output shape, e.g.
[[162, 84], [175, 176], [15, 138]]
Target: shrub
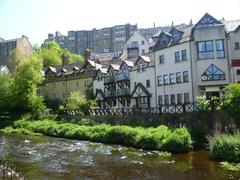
[[225, 147], [178, 141]]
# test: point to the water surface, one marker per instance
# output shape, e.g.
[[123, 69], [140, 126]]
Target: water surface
[[54, 158]]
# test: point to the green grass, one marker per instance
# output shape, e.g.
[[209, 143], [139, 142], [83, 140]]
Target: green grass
[[10, 130], [230, 166], [161, 138], [225, 147]]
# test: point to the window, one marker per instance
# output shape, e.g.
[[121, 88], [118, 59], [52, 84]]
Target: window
[[213, 73], [63, 83], [179, 98], [171, 78], [143, 102], [185, 76], [148, 83], [184, 55], [77, 84], [143, 43], [134, 44], [141, 68], [63, 95], [177, 56], [143, 51], [159, 80], [166, 99], [205, 50], [220, 49], [236, 44], [186, 98], [165, 79], [238, 71], [178, 77], [161, 59], [173, 101], [160, 100]]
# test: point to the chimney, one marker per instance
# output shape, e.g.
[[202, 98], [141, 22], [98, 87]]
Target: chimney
[[64, 59], [154, 25], [87, 54]]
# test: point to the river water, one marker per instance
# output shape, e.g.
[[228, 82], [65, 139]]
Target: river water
[[54, 158]]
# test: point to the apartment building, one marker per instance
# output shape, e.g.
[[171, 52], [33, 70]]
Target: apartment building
[[105, 40], [136, 45], [7, 48], [184, 63]]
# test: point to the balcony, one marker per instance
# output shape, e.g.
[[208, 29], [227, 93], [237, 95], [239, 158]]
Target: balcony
[[109, 79], [110, 93], [123, 92], [122, 77]]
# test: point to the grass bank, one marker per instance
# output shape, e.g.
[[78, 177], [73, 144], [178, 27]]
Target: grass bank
[[161, 138], [225, 147]]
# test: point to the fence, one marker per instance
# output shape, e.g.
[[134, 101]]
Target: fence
[[7, 171], [163, 109]]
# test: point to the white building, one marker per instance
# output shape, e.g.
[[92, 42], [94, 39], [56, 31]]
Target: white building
[[136, 45], [184, 63]]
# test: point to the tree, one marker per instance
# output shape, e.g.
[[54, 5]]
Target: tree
[[232, 101], [73, 58], [6, 83], [25, 84], [51, 54], [76, 100]]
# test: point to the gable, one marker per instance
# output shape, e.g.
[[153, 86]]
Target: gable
[[207, 21], [213, 73], [140, 91]]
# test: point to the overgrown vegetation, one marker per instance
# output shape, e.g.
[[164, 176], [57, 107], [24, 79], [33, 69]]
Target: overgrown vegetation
[[76, 100], [225, 147], [161, 138], [51, 54], [230, 166]]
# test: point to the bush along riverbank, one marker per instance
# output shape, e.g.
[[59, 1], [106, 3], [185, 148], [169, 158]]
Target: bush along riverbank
[[226, 148], [161, 138]]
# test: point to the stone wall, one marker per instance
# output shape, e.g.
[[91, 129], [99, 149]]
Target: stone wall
[[208, 122]]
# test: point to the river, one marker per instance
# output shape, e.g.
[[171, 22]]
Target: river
[[54, 158]]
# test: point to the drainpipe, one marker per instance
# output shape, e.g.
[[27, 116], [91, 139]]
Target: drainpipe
[[227, 56], [191, 63], [155, 78]]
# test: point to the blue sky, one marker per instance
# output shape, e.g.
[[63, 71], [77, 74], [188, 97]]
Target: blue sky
[[37, 18]]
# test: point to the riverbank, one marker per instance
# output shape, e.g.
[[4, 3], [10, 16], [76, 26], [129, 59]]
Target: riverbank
[[162, 138]]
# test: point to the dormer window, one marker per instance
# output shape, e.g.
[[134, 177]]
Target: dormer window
[[175, 38]]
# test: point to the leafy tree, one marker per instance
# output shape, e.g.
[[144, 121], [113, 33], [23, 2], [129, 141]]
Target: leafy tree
[[51, 54], [6, 83], [25, 84], [76, 100], [232, 101], [73, 58]]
